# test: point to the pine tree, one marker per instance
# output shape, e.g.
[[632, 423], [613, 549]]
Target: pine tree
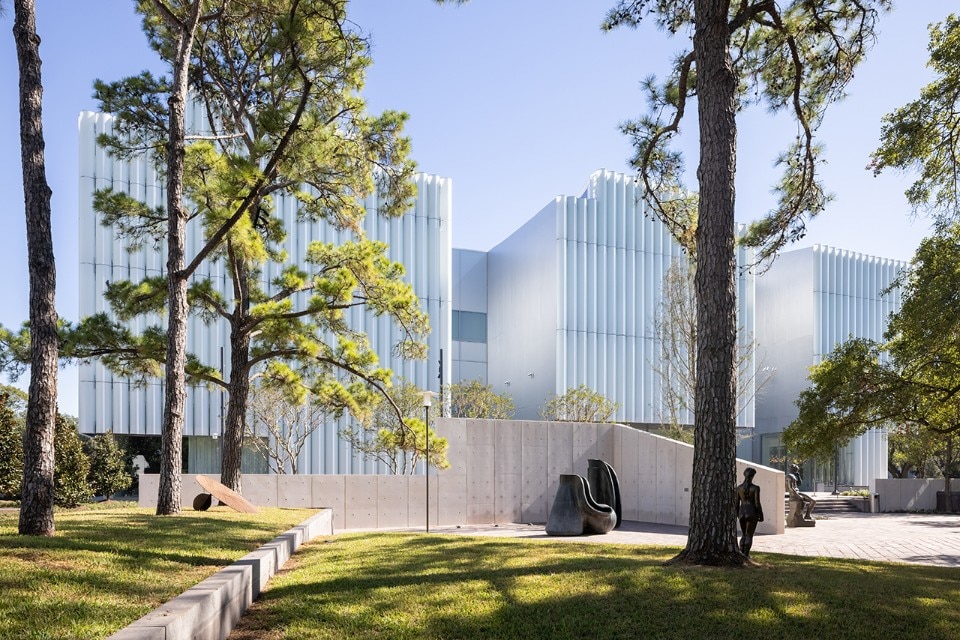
[[280, 85], [795, 57], [36, 505]]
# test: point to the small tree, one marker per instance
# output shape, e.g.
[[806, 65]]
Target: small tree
[[474, 399], [108, 465], [70, 487], [11, 449], [908, 451], [580, 404], [911, 379], [287, 422], [395, 434], [675, 327]]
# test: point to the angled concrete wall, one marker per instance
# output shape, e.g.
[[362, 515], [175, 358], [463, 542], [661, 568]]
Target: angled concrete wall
[[911, 494], [504, 471]]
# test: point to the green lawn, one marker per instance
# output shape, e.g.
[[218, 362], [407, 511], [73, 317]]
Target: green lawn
[[434, 586], [111, 563]]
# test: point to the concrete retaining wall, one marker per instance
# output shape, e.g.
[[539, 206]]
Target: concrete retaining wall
[[210, 609], [503, 471], [911, 494]]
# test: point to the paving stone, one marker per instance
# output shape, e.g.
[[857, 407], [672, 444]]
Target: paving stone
[[913, 538]]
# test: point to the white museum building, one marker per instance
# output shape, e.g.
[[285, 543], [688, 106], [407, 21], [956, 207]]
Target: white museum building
[[569, 298]]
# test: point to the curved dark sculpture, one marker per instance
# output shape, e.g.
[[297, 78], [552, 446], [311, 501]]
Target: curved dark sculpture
[[575, 512], [604, 486], [202, 502]]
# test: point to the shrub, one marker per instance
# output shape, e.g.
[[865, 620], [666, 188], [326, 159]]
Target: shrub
[[580, 404], [398, 444], [108, 465], [71, 466], [862, 493], [11, 450], [474, 399]]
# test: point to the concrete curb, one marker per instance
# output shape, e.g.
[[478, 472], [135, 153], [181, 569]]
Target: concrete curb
[[210, 609]]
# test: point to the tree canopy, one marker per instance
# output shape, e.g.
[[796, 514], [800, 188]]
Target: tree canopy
[[921, 137], [280, 425], [911, 380], [285, 127], [395, 433], [675, 328]]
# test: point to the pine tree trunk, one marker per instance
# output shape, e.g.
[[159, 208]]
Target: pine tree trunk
[[174, 400], [712, 538], [36, 507], [232, 448]]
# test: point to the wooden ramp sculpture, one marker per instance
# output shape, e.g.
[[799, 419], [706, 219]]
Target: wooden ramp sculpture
[[575, 512], [225, 495]]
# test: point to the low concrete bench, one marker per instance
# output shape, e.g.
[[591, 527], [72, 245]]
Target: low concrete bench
[[210, 609]]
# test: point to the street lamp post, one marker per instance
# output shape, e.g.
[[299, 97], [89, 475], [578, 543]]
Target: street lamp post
[[836, 470], [427, 402]]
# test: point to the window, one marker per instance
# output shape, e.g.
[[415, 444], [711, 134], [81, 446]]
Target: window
[[469, 326]]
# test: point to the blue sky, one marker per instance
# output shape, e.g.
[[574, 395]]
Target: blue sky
[[517, 102]]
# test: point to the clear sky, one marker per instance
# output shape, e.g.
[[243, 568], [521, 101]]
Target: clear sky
[[516, 101]]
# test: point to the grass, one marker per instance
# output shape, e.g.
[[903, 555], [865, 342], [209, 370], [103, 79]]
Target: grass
[[111, 563], [390, 585]]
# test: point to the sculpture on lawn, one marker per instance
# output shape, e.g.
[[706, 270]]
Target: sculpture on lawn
[[749, 510], [583, 507], [604, 486]]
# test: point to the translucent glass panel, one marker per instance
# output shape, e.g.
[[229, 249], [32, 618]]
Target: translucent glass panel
[[469, 326]]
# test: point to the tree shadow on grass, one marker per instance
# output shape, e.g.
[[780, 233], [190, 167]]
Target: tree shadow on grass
[[399, 586], [103, 570]]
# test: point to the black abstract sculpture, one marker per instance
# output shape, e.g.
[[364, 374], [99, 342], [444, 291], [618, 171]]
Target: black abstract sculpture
[[575, 512], [202, 502], [604, 486]]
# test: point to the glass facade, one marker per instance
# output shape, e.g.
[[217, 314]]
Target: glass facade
[[469, 326]]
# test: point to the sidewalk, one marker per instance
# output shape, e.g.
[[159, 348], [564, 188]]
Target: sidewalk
[[913, 538]]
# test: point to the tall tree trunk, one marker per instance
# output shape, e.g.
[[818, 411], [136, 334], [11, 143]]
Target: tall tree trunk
[[712, 537], [231, 453], [175, 393], [36, 506]]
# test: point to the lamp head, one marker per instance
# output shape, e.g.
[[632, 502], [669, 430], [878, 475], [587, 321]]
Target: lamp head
[[427, 398]]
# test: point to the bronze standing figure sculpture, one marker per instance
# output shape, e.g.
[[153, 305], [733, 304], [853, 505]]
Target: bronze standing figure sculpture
[[749, 510]]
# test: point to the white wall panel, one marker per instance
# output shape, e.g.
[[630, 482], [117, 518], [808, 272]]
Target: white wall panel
[[810, 301], [610, 259]]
